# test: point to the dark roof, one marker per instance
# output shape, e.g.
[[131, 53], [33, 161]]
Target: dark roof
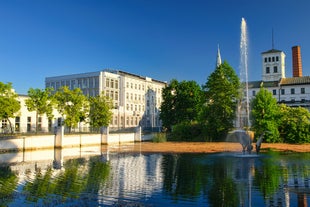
[[271, 51], [266, 84], [295, 80]]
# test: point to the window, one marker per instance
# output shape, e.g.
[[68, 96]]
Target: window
[[116, 84], [274, 92], [292, 90], [265, 59], [253, 93], [267, 70], [272, 59], [28, 124], [277, 58], [17, 124], [275, 69], [282, 91], [269, 59], [112, 83], [107, 84], [302, 91]]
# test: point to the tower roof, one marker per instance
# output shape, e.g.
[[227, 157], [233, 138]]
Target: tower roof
[[272, 51]]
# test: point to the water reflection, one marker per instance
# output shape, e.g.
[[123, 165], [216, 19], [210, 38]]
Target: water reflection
[[91, 177]]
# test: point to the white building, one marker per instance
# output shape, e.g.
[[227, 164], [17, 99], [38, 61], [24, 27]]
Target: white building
[[25, 121], [293, 91], [136, 99]]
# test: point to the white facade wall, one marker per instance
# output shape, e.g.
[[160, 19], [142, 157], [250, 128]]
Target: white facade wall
[[296, 93], [136, 99], [273, 65], [25, 121]]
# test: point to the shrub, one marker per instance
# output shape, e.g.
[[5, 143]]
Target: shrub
[[159, 137]]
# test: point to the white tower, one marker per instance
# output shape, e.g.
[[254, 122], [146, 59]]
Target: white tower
[[218, 57], [273, 62]]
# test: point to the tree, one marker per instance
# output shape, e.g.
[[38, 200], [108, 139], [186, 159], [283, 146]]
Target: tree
[[72, 105], [182, 102], [40, 101], [100, 113], [8, 102], [221, 95], [265, 115], [295, 124]]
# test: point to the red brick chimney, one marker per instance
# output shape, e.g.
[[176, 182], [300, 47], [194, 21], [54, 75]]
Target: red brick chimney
[[297, 66]]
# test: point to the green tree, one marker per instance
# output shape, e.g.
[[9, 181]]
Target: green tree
[[40, 101], [182, 102], [295, 124], [167, 108], [265, 115], [100, 113], [72, 105], [8, 102], [221, 95]]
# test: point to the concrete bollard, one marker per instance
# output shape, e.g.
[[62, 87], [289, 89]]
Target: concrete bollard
[[59, 136], [104, 131]]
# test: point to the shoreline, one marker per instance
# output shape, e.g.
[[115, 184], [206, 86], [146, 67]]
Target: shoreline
[[201, 147]]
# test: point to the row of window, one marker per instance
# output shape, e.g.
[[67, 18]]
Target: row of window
[[275, 69], [90, 82], [282, 91], [5, 125], [272, 59], [133, 121], [140, 87], [111, 83]]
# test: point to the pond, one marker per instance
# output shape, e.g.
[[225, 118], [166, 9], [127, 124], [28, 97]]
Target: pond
[[91, 177]]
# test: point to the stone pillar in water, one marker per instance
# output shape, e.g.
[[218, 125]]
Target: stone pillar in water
[[104, 131], [59, 134]]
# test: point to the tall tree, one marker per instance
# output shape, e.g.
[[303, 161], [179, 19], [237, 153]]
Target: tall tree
[[72, 105], [100, 113], [9, 105], [40, 101], [265, 115], [182, 102], [221, 93]]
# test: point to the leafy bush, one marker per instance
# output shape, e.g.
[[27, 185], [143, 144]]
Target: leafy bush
[[187, 132], [159, 137]]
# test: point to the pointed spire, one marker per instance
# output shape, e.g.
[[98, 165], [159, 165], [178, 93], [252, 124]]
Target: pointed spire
[[218, 57]]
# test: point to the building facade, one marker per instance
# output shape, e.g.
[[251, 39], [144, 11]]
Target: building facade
[[293, 91], [136, 99]]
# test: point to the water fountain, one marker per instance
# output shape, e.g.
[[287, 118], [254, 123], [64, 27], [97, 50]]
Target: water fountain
[[242, 133]]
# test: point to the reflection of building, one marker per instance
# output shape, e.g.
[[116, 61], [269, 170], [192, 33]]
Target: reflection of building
[[136, 99], [131, 176]]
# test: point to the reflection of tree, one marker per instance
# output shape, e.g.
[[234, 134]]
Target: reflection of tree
[[183, 177], [40, 187], [223, 191], [8, 182], [76, 179], [267, 177], [98, 172], [69, 184]]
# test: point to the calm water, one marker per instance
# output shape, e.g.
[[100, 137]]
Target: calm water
[[90, 177]]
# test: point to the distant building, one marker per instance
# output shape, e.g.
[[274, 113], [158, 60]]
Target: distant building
[[293, 91], [136, 99]]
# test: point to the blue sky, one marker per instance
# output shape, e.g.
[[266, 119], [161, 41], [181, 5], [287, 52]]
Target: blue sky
[[161, 39]]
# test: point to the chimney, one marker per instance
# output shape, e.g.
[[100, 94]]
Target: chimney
[[297, 67]]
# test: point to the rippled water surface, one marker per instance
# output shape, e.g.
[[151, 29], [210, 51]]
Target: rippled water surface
[[90, 177]]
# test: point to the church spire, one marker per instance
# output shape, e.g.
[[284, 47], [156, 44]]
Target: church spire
[[218, 57]]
